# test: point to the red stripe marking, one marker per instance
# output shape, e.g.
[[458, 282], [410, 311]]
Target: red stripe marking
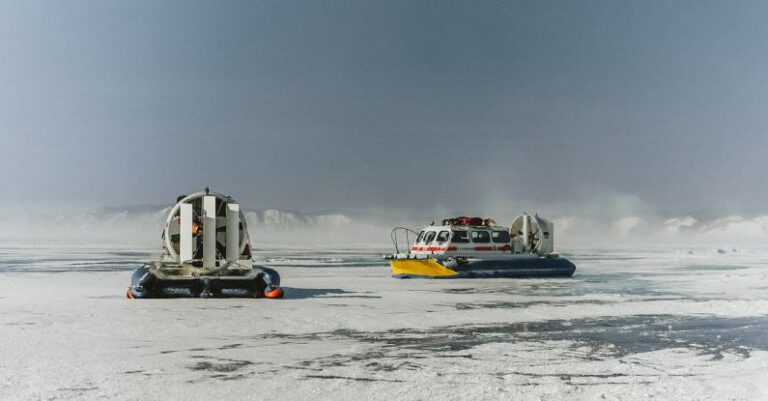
[[429, 248]]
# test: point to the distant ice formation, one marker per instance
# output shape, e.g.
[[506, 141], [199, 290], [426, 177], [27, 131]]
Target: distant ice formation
[[139, 226]]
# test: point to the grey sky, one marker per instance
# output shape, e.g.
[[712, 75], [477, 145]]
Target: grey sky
[[350, 104]]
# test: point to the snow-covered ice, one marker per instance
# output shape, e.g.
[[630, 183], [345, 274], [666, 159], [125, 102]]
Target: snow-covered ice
[[655, 323]]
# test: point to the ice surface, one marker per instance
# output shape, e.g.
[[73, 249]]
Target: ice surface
[[657, 323]]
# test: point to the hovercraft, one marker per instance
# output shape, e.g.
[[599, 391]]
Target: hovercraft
[[206, 252], [473, 247]]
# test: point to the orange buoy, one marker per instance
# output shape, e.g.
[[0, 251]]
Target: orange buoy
[[128, 294], [274, 294]]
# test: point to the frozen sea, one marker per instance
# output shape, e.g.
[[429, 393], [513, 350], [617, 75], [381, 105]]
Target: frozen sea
[[661, 323]]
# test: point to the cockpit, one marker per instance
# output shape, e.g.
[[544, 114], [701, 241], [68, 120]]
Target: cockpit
[[463, 236]]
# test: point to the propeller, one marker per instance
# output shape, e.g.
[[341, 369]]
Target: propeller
[[534, 239]]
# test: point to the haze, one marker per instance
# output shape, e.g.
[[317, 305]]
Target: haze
[[342, 105]]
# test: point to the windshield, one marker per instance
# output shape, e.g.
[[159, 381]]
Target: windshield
[[481, 237], [500, 237], [460, 237]]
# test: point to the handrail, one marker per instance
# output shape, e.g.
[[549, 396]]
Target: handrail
[[393, 236]]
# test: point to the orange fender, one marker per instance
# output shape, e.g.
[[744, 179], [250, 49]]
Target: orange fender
[[274, 294]]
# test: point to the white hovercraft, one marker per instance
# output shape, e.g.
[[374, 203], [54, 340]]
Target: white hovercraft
[[472, 247], [206, 253]]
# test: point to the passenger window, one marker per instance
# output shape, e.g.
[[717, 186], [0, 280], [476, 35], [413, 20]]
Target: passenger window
[[460, 237], [500, 237], [443, 236], [429, 237], [420, 237], [481, 237]]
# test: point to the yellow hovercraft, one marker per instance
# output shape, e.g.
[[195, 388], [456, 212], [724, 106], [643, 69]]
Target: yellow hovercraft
[[472, 247]]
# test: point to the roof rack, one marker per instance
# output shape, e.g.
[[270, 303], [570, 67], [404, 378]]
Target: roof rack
[[469, 221]]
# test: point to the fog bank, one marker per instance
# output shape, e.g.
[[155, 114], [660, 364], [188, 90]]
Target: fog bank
[[607, 221]]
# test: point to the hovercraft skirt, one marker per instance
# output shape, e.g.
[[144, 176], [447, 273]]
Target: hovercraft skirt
[[523, 267], [146, 284]]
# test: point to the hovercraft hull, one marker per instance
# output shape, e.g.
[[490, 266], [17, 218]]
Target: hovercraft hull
[[256, 283], [533, 266]]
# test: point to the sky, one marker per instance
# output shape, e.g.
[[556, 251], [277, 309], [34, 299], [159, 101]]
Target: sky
[[347, 105]]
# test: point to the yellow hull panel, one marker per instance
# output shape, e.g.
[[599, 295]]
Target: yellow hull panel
[[420, 267]]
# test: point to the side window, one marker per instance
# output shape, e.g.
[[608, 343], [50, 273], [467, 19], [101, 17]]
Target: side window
[[420, 237], [443, 236], [460, 237], [429, 237], [500, 237], [481, 237]]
